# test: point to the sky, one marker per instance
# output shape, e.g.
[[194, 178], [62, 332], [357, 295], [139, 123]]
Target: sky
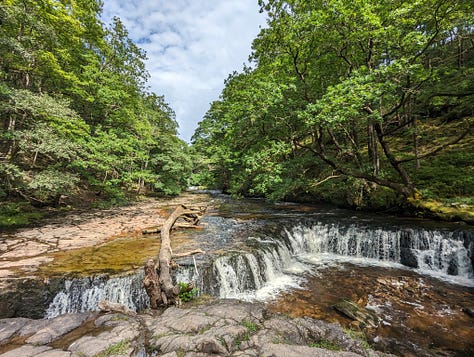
[[192, 46]]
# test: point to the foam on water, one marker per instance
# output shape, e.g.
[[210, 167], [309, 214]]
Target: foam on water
[[281, 261]]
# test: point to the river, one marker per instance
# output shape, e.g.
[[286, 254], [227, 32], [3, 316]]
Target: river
[[416, 275]]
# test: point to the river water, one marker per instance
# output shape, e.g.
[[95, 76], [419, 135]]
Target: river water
[[416, 275]]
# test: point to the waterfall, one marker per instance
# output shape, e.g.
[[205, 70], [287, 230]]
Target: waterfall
[[272, 262], [277, 261], [258, 274], [84, 294], [435, 251]]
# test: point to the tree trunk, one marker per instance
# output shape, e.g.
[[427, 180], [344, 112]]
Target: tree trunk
[[152, 285], [372, 149], [161, 290]]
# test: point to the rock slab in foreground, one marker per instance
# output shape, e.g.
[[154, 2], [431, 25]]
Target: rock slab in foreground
[[224, 328]]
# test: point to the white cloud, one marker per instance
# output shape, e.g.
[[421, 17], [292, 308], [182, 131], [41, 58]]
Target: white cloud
[[191, 47]]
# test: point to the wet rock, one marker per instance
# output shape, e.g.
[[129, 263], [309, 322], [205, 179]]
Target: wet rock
[[469, 310], [408, 258], [108, 306], [352, 310], [27, 297], [453, 267]]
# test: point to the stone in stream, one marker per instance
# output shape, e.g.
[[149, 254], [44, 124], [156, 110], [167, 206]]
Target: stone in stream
[[352, 310], [469, 310], [224, 328]]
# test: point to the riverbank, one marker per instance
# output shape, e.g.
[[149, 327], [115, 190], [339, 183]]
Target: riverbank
[[23, 251], [452, 212], [223, 328]]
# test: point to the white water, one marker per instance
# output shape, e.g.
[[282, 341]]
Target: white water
[[257, 276], [279, 266], [84, 294], [435, 253]]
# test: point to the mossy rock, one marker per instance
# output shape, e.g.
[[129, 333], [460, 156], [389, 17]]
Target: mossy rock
[[446, 212]]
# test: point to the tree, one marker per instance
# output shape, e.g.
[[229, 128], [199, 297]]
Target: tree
[[75, 107], [41, 141], [344, 91]]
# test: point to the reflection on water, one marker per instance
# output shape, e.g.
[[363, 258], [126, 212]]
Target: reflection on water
[[420, 315]]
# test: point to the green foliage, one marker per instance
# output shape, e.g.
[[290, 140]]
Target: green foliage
[[449, 175], [327, 345], [251, 327], [342, 101], [118, 348], [50, 183], [238, 341], [75, 111], [185, 294], [17, 215], [358, 336]]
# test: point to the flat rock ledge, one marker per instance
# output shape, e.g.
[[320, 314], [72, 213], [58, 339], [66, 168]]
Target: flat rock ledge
[[222, 328]]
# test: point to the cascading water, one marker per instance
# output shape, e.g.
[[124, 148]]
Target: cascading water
[[276, 261], [437, 252], [84, 294], [257, 275], [280, 259]]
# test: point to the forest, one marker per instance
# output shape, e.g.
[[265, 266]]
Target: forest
[[76, 114], [367, 104]]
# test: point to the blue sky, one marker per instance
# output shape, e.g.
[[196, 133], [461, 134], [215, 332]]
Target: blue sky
[[192, 46]]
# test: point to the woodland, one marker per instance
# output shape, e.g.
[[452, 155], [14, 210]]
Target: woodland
[[367, 104], [76, 113]]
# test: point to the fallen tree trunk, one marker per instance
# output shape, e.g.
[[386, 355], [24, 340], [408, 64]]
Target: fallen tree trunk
[[161, 290], [175, 226]]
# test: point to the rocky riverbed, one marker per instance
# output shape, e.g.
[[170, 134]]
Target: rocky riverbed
[[34, 261], [223, 328]]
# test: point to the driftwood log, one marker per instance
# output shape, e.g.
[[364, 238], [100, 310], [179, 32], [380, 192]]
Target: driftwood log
[[177, 225], [160, 288]]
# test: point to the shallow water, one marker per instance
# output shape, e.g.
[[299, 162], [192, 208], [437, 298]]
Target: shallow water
[[420, 315]]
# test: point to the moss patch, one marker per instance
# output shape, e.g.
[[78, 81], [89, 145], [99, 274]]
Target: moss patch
[[446, 211], [15, 215], [327, 345], [118, 348]]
